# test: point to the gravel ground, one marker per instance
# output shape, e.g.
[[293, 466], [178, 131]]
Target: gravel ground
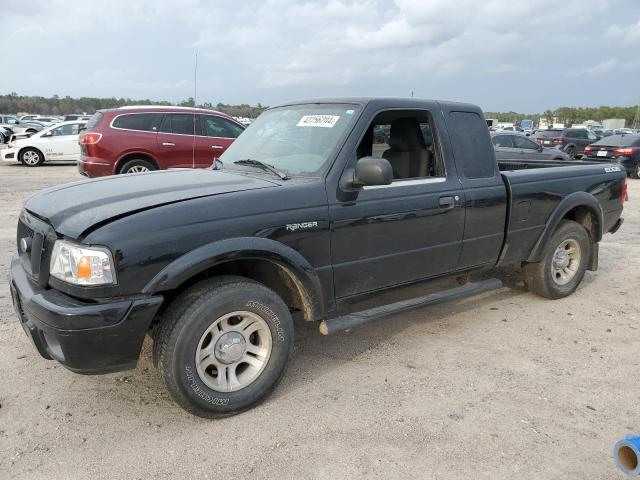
[[500, 386]]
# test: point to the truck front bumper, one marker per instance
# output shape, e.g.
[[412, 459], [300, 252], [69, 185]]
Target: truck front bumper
[[87, 338]]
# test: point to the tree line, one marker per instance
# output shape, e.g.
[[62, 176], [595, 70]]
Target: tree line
[[570, 115], [56, 105]]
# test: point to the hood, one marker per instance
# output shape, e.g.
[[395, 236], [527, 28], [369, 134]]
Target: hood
[[74, 208]]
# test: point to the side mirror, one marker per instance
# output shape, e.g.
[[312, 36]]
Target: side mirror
[[372, 171]]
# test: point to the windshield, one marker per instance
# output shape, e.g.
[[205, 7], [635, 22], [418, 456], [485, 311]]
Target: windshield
[[296, 139]]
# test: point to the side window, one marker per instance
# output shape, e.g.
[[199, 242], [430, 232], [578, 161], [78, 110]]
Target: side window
[[11, 120], [181, 124], [591, 136], [145, 122], [471, 147], [406, 139], [522, 142], [571, 134], [220, 127], [502, 141], [63, 130]]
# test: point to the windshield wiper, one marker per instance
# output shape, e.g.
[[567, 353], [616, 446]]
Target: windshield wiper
[[264, 166]]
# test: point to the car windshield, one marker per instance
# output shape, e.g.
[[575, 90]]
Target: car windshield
[[295, 139]]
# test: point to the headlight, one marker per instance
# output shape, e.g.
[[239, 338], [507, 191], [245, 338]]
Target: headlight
[[78, 265]]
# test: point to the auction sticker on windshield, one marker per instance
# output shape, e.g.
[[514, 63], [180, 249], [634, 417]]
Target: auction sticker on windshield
[[326, 121]]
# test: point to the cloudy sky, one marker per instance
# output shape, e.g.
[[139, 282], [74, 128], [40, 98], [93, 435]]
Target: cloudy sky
[[527, 56]]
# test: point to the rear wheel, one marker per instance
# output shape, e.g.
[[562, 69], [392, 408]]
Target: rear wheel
[[31, 157], [223, 345], [636, 172], [563, 264], [137, 165], [571, 151]]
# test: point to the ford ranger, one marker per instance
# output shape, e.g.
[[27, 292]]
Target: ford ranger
[[318, 208]]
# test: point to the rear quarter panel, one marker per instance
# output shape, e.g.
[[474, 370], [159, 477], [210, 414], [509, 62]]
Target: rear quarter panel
[[535, 195]]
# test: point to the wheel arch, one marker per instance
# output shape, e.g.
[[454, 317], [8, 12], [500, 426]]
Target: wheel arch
[[581, 207], [269, 262], [132, 156], [30, 147]]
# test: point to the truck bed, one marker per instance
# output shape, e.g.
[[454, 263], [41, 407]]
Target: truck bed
[[515, 164], [536, 188]]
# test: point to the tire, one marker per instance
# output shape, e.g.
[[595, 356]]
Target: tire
[[198, 323], [546, 278], [31, 157], [137, 165], [571, 151], [636, 172]]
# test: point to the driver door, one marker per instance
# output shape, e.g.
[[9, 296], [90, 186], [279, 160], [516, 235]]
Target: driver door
[[412, 229], [63, 143]]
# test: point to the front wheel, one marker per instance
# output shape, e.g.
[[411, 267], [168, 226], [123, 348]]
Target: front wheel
[[223, 345], [564, 262], [31, 157]]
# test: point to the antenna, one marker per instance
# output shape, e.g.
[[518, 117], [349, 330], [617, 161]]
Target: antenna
[[195, 104]]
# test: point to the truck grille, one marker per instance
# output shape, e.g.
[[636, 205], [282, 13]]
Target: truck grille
[[41, 236]]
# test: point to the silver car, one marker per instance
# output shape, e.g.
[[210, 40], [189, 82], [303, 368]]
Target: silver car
[[514, 146]]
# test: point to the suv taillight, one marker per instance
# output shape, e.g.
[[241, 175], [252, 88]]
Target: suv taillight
[[90, 138], [625, 152]]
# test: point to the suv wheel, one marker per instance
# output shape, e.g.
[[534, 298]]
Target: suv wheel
[[571, 151], [31, 157], [223, 345], [137, 165], [563, 264]]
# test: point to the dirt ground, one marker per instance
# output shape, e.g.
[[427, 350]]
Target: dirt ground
[[501, 386]]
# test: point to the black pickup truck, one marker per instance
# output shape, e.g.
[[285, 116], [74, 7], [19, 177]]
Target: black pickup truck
[[318, 208]]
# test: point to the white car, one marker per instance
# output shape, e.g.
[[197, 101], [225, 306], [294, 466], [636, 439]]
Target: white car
[[59, 142]]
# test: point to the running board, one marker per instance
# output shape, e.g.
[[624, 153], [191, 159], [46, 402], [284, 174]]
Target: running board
[[352, 320]]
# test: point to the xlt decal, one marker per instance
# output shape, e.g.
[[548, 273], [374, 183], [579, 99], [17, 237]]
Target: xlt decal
[[613, 168]]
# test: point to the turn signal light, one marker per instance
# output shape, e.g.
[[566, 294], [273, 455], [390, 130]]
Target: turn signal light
[[624, 195], [90, 138]]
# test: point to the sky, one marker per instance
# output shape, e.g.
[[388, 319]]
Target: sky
[[526, 56]]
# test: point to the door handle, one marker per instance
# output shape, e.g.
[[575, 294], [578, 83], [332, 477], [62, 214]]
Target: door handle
[[217, 147], [168, 144], [447, 202]]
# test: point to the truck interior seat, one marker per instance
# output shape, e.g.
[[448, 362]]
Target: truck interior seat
[[408, 153]]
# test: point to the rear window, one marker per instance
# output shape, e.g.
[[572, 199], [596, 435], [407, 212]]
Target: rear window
[[620, 141], [145, 122], [549, 133], [471, 147], [95, 120]]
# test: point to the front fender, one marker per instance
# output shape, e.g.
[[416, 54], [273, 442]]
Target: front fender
[[576, 199], [243, 248]]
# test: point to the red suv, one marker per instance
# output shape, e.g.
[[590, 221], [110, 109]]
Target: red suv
[[140, 139]]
